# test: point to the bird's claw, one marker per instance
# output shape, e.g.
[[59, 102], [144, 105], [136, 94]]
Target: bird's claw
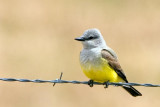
[[90, 83], [106, 84]]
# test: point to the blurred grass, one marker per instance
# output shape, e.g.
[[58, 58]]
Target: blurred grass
[[37, 42]]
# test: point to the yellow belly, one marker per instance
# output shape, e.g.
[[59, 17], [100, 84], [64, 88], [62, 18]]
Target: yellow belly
[[101, 72]]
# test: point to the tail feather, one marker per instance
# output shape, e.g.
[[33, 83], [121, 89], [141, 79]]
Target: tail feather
[[132, 91]]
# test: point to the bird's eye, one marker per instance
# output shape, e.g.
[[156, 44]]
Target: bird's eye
[[90, 37]]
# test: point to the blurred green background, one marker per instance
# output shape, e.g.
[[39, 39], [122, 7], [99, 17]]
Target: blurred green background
[[37, 42]]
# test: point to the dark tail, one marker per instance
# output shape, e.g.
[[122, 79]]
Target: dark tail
[[132, 91]]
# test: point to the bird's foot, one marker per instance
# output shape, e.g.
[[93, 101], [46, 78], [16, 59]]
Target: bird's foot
[[90, 83], [106, 84]]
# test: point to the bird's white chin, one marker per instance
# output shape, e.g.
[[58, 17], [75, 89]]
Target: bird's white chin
[[89, 44]]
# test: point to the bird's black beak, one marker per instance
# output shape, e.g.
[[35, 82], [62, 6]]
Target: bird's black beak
[[80, 39]]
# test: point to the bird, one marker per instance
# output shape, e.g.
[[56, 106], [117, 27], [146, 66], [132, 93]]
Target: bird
[[100, 63]]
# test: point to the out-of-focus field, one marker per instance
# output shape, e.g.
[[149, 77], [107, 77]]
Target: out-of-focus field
[[37, 42]]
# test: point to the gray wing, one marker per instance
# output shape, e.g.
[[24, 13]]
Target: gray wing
[[113, 62]]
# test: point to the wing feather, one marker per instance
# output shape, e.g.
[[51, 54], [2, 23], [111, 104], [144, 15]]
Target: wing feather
[[113, 62]]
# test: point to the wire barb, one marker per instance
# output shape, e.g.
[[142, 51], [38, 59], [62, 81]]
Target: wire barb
[[58, 79]]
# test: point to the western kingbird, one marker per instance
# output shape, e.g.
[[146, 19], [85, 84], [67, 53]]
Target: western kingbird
[[99, 62]]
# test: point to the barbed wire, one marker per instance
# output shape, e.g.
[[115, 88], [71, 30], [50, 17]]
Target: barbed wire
[[76, 82]]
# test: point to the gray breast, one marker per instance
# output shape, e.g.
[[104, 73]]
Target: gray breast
[[91, 56]]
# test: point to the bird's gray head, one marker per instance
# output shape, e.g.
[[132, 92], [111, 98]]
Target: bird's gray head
[[91, 38]]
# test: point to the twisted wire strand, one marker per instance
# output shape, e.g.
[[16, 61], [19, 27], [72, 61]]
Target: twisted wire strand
[[75, 82]]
